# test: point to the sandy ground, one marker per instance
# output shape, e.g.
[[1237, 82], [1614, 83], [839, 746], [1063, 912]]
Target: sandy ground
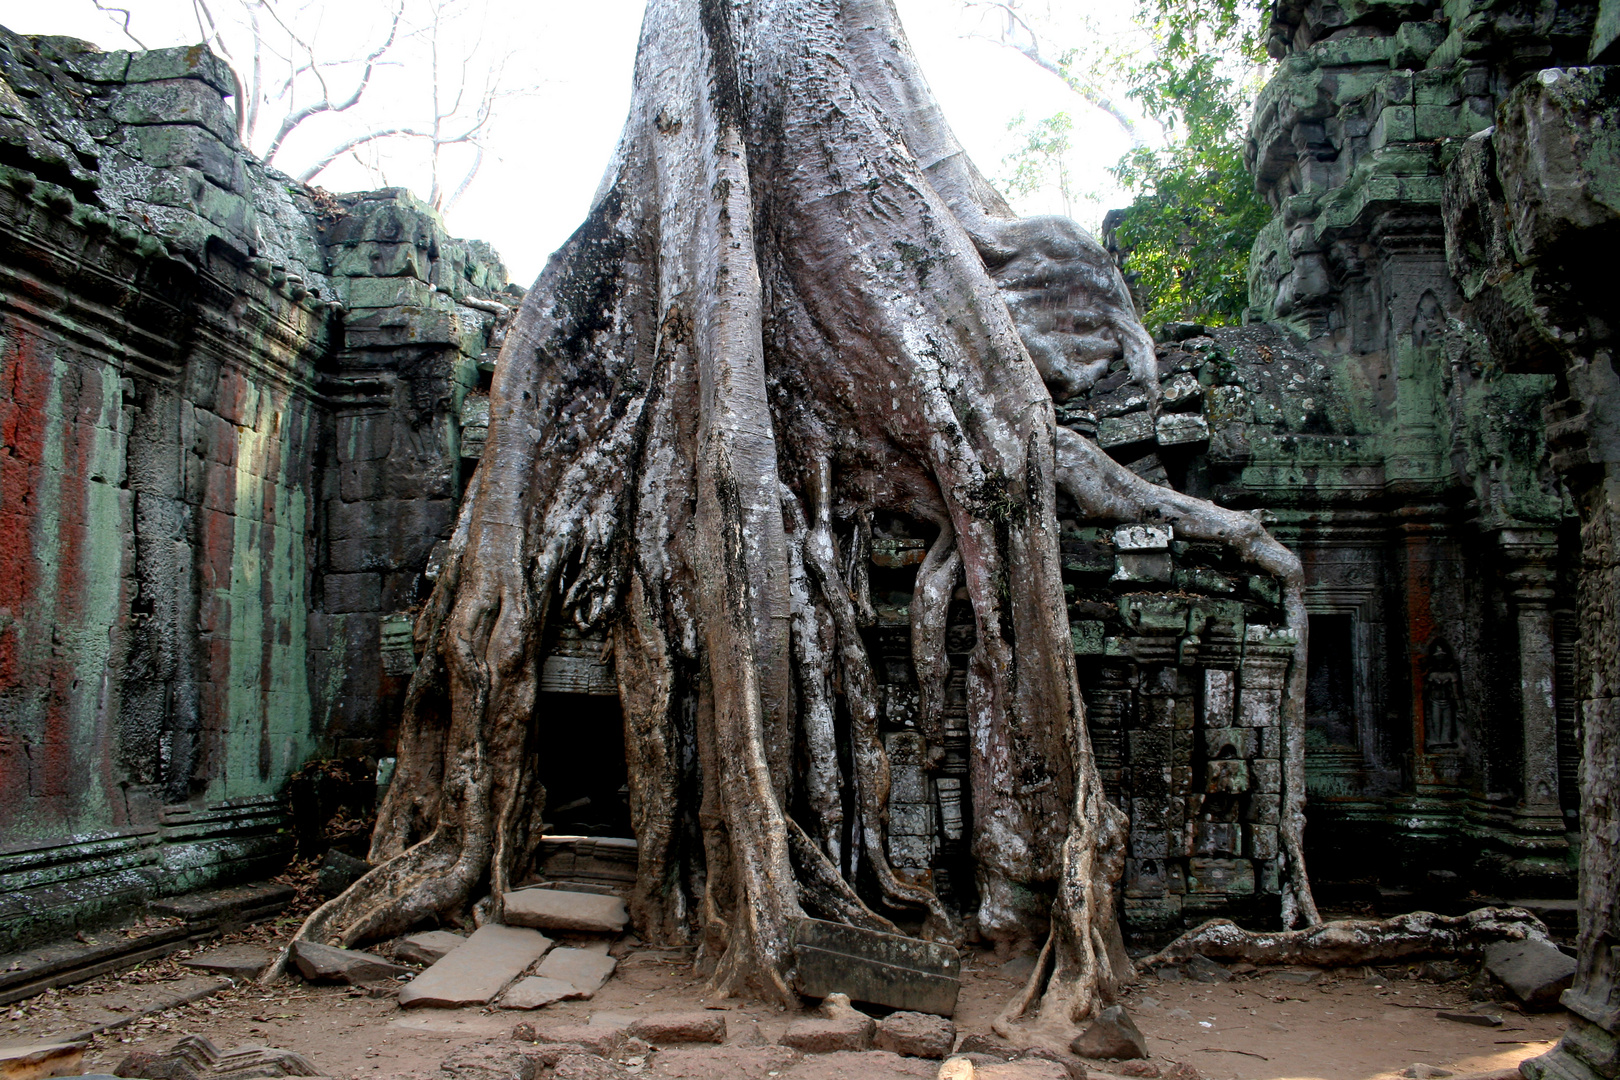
[[1256, 1028]]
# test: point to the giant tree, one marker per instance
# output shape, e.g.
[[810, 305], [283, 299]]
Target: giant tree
[[794, 305]]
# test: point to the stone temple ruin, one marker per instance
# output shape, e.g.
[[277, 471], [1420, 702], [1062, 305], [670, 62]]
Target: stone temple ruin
[[238, 415]]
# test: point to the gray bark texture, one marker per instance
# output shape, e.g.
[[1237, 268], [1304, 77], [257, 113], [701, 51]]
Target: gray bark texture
[[795, 306], [1346, 942]]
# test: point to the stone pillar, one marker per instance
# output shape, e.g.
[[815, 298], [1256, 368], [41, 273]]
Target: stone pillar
[[1590, 1048], [1539, 817]]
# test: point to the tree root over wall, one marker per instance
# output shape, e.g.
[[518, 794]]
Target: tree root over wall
[[794, 311]]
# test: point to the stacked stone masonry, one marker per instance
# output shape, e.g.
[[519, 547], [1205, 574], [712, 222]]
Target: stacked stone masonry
[[230, 411]]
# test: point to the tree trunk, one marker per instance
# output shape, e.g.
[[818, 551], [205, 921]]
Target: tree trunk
[[795, 310]]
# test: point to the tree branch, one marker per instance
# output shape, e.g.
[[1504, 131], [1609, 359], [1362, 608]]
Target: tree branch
[[325, 104], [359, 140], [1030, 48]]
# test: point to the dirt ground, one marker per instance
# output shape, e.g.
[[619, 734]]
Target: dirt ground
[[1262, 1027]]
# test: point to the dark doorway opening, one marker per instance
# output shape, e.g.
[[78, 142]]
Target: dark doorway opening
[[1330, 705], [582, 764]]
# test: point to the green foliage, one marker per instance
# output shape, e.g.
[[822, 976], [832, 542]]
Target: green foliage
[[1193, 75], [1040, 161], [1190, 228]]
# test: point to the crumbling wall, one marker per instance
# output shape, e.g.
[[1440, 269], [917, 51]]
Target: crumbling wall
[[230, 416]]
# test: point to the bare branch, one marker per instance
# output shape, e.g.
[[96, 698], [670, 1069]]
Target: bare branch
[[1017, 34], [466, 181], [359, 140], [123, 23], [298, 116]]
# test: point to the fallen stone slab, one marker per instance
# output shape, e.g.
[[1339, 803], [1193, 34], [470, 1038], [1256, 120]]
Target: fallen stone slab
[[1478, 1019], [1536, 970], [596, 1039], [884, 969], [240, 962], [428, 947], [30, 1061], [1112, 1035], [478, 969], [536, 992], [585, 971], [325, 963], [676, 1028], [915, 1034], [559, 909]]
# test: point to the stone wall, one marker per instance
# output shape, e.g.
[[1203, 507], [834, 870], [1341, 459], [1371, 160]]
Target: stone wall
[[230, 409], [1532, 215], [1383, 413]]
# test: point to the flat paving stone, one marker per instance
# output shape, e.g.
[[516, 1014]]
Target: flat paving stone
[[536, 992], [559, 909], [479, 969], [586, 971], [428, 947], [235, 961]]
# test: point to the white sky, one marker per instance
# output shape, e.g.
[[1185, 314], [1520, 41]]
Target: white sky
[[549, 147]]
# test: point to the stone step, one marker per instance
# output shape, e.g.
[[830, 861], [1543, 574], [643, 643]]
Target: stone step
[[225, 909], [24, 974], [559, 909], [477, 970]]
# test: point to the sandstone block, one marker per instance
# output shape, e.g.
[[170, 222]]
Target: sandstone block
[[665, 1029], [536, 992], [493, 1060], [1536, 971], [1022, 1069], [595, 1039], [824, 1035], [478, 969], [428, 947], [41, 1059], [323, 963], [915, 1034], [559, 909], [1073, 1066], [1112, 1035], [234, 961], [585, 970], [588, 1067]]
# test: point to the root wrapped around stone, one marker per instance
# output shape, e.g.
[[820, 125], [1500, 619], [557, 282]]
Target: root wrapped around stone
[[1346, 942]]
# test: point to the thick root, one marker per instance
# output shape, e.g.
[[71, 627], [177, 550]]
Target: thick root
[[1346, 942]]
